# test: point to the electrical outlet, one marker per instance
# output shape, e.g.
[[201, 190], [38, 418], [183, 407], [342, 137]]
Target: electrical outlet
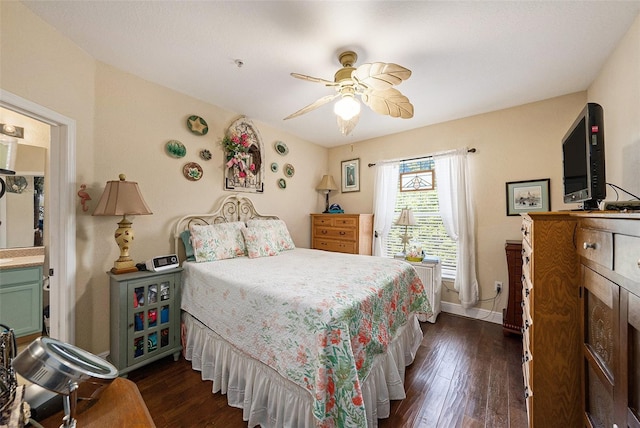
[[498, 285]]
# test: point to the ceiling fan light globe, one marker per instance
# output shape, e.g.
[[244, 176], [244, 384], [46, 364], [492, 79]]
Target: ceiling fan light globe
[[347, 107]]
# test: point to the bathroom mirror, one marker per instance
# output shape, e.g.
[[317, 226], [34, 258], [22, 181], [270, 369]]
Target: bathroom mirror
[[22, 208]]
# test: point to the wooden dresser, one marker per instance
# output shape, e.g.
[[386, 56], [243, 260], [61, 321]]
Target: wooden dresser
[[551, 321], [609, 246], [512, 314], [581, 319], [343, 233]]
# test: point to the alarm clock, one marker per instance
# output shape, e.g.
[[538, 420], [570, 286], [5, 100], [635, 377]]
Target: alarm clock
[[160, 263]]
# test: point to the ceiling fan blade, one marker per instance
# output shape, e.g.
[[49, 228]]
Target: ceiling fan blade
[[380, 75], [389, 101], [314, 105], [346, 126], [314, 79]]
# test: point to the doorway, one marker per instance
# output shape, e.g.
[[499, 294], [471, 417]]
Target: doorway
[[62, 220]]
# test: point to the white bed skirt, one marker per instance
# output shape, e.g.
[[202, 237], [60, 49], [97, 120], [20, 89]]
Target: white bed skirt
[[271, 401]]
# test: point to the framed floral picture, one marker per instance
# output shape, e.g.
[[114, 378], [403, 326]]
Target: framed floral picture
[[528, 196], [351, 175]]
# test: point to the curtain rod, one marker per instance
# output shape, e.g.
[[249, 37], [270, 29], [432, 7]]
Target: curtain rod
[[471, 150]]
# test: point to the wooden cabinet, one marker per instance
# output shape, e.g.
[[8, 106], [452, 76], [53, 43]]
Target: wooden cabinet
[[343, 233], [551, 321], [145, 317], [609, 247], [512, 314], [21, 299]]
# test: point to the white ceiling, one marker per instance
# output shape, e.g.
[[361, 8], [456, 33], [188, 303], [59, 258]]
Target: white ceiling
[[466, 57]]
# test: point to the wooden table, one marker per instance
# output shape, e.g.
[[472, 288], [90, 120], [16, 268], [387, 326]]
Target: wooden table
[[119, 405]]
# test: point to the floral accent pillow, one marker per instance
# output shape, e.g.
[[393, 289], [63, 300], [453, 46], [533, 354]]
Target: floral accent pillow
[[260, 242], [217, 241], [279, 228]]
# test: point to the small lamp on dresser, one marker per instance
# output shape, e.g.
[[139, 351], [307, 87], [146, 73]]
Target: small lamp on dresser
[[327, 185], [122, 198]]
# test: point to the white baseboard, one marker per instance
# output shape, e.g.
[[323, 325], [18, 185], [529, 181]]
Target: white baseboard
[[479, 314]]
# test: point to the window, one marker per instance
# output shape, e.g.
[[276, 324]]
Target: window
[[423, 200]]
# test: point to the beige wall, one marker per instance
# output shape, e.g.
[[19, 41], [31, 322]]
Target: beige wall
[[521, 143], [617, 90]]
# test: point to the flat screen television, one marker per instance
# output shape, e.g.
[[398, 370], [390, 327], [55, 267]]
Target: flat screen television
[[583, 159]]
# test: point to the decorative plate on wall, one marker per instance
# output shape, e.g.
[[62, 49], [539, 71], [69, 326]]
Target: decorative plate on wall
[[192, 171], [281, 148], [289, 170], [197, 125], [274, 167], [205, 154], [175, 149], [282, 183]]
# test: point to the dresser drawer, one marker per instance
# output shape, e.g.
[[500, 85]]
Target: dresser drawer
[[596, 245], [328, 220], [335, 233], [335, 245], [627, 256]]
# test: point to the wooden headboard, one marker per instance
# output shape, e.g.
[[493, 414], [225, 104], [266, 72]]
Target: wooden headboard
[[232, 208]]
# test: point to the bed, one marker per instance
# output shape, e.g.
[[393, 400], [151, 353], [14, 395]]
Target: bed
[[294, 337]]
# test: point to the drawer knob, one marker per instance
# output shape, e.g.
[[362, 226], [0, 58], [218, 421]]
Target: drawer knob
[[323, 231], [588, 245], [343, 233]]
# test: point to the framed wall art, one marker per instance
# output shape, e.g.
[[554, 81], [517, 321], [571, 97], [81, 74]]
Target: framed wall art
[[351, 175], [528, 196]]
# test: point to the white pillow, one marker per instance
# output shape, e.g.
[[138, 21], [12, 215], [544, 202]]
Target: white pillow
[[260, 242], [279, 228], [217, 241]]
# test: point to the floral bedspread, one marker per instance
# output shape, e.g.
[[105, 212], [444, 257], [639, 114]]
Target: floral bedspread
[[316, 317]]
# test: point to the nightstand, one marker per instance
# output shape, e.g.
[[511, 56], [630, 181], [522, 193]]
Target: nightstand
[[430, 274], [145, 318]]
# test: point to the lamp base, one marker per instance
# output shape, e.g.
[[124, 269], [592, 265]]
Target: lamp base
[[118, 271]]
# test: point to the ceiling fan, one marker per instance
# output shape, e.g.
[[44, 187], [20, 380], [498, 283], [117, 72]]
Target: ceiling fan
[[372, 82]]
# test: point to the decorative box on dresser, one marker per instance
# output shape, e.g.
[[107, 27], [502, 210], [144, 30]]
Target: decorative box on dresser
[[551, 321], [609, 246], [342, 233], [512, 314], [145, 318]]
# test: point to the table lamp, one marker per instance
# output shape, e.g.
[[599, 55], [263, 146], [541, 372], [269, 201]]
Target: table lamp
[[61, 368], [406, 219], [327, 185], [122, 198]]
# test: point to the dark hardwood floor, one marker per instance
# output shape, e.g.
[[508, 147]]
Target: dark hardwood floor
[[466, 374]]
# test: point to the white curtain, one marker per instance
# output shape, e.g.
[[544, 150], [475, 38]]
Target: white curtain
[[384, 202], [457, 210]]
